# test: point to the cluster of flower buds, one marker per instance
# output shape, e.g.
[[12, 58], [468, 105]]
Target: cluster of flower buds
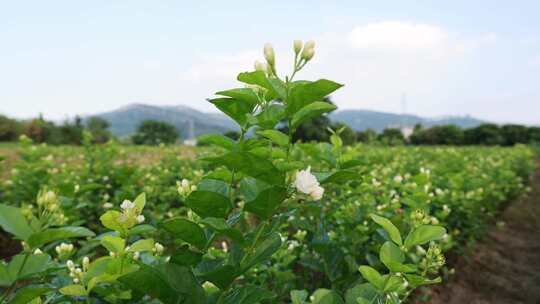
[[48, 200], [158, 249], [307, 53], [64, 250], [131, 215], [434, 258], [300, 235], [48, 208], [185, 188], [76, 273]]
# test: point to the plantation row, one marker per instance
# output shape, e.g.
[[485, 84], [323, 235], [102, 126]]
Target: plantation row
[[256, 220]]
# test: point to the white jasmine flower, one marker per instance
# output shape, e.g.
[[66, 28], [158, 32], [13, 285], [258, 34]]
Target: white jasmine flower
[[126, 204], [140, 219], [38, 251], [107, 206], [307, 183]]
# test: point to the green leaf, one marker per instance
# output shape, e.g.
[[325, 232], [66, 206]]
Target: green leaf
[[276, 137], [271, 116], [236, 109], [393, 232], [262, 252], [340, 177], [217, 140], [257, 78], [251, 165], [74, 290], [390, 253], [247, 294], [299, 296], [55, 234], [266, 202], [5, 277], [326, 296], [279, 87], [312, 110], [208, 204], [27, 294], [351, 163], [244, 94], [364, 291], [186, 257], [424, 234], [113, 243], [306, 92], [110, 220], [140, 201], [142, 245], [13, 221], [392, 283], [170, 283], [416, 280], [187, 231], [141, 229], [372, 276], [21, 267], [221, 226], [222, 276]]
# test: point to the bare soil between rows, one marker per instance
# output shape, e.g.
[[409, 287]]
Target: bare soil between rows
[[503, 268]]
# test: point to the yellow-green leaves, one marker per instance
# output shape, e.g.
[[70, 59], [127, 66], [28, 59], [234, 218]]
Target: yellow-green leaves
[[392, 231], [113, 243], [74, 290], [424, 234]]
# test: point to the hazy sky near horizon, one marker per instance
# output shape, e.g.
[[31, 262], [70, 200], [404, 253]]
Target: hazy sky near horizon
[[479, 58]]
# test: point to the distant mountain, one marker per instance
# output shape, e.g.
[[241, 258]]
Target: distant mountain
[[125, 120], [363, 119]]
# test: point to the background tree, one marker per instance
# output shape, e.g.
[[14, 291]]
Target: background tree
[[43, 131], [484, 134], [10, 129], [392, 136], [152, 132], [367, 136], [98, 127], [438, 135], [514, 134], [71, 133]]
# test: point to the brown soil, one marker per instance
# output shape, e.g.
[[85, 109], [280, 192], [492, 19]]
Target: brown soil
[[504, 267]]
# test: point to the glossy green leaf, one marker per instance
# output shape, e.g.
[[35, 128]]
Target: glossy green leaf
[[22, 266], [247, 294], [56, 234], [424, 234], [392, 231], [299, 296], [217, 140], [244, 94], [312, 110], [236, 109], [326, 296], [170, 283], [372, 276], [266, 202], [306, 92], [208, 204], [142, 245], [114, 244], [187, 231], [390, 253], [262, 252], [251, 165], [140, 201], [27, 294], [275, 136], [185, 256], [74, 290], [110, 220], [13, 221]]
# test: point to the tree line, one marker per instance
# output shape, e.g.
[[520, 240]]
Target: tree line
[[71, 132], [151, 132]]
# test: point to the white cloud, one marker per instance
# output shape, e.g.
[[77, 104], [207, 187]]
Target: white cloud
[[220, 66], [397, 35]]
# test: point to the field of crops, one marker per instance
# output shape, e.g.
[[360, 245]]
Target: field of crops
[[321, 244], [257, 220]]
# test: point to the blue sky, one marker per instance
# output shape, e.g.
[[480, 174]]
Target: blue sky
[[479, 58]]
